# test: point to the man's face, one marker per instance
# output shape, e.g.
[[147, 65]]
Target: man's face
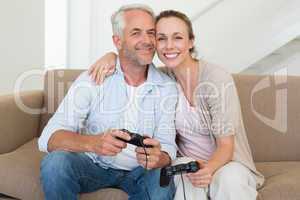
[[138, 41]]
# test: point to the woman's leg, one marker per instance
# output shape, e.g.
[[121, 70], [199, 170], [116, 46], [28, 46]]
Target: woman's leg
[[233, 181], [190, 192]]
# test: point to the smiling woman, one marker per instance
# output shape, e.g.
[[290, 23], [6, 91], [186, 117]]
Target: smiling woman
[[175, 41]]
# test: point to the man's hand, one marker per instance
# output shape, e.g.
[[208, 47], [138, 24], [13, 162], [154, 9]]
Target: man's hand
[[155, 157], [107, 143]]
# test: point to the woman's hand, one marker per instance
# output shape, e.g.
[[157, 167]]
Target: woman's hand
[[103, 67], [203, 177], [222, 155]]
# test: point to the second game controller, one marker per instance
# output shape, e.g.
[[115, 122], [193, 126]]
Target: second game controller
[[167, 172]]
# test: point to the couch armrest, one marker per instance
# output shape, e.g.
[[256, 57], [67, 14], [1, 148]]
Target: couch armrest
[[18, 126]]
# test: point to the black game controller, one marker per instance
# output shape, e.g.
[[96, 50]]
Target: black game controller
[[167, 172], [136, 139]]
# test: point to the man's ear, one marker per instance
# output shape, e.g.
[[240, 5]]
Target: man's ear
[[117, 41]]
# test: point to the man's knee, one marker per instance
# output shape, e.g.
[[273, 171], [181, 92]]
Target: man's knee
[[56, 165]]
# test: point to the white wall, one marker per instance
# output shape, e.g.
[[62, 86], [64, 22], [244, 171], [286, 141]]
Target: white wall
[[79, 36], [237, 34], [56, 33], [21, 42], [232, 33]]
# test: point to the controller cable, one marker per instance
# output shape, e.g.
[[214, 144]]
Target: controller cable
[[142, 143], [183, 186]]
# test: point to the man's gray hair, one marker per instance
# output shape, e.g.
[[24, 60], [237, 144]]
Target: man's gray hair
[[118, 21]]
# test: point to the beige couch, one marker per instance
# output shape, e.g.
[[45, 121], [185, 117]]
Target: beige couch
[[271, 112]]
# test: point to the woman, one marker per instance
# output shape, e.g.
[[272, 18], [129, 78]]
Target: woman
[[208, 120]]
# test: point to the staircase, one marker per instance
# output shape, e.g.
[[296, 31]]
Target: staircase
[[237, 35], [284, 61]]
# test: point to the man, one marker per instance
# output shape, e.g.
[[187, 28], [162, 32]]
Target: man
[[136, 97]]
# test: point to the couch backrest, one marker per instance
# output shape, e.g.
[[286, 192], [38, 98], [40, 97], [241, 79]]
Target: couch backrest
[[271, 114], [269, 106]]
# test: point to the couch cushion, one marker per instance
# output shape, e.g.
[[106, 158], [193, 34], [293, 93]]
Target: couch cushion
[[282, 180], [20, 171], [271, 113], [105, 194], [13, 134]]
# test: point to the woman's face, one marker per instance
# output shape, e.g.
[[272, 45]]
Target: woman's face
[[172, 41]]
